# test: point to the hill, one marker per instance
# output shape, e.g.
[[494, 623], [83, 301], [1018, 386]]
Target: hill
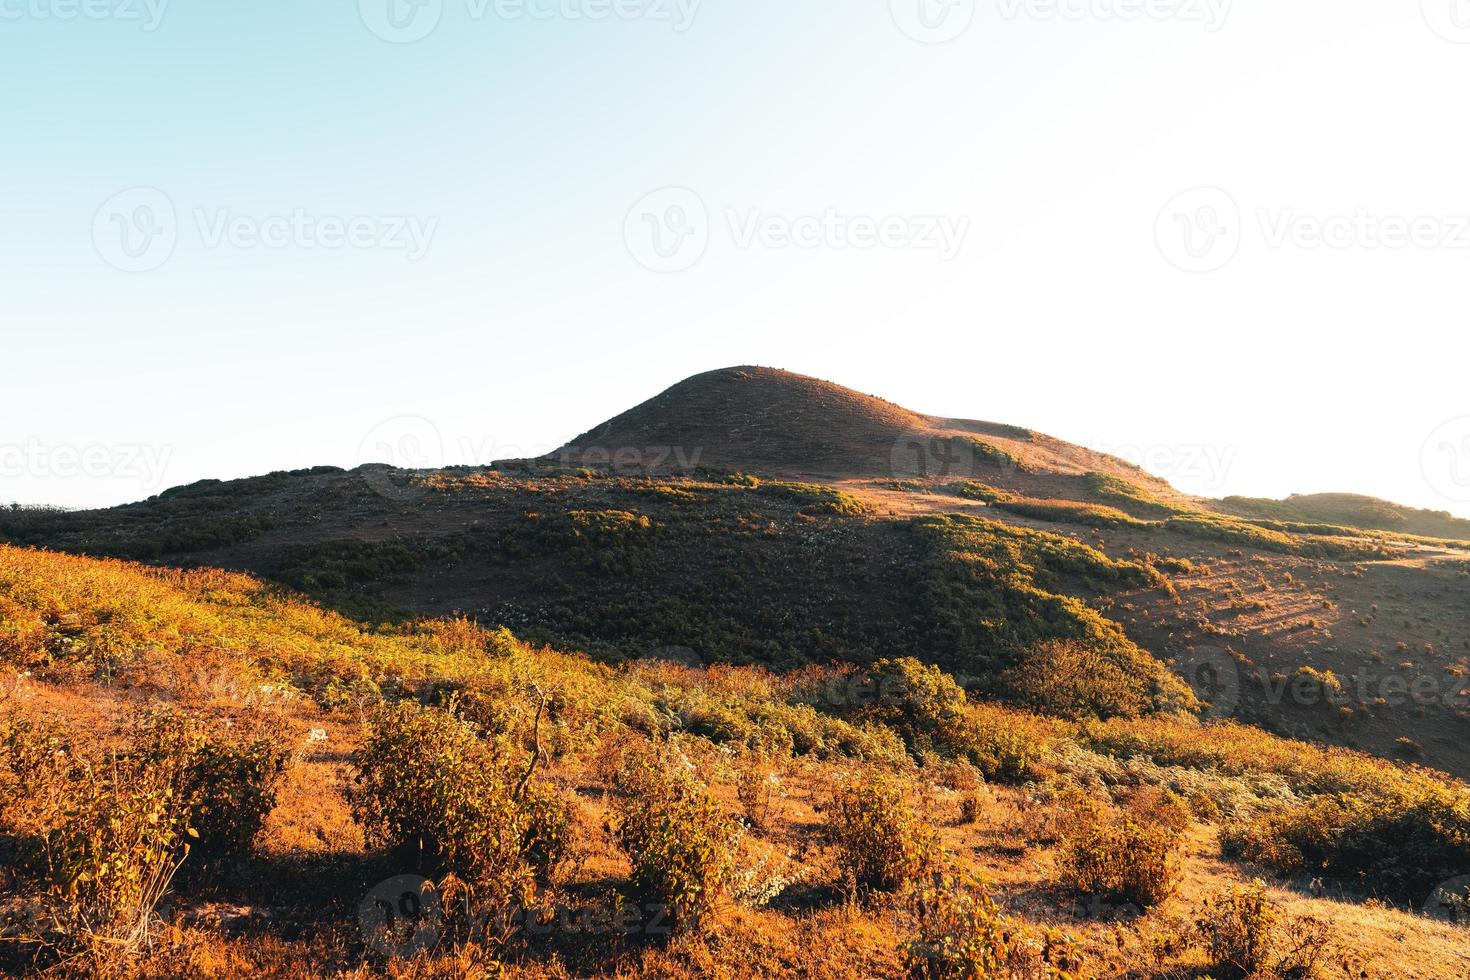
[[1352, 510], [745, 565], [771, 421], [922, 697]]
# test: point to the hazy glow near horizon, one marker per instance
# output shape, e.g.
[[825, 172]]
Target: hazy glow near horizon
[[1228, 240]]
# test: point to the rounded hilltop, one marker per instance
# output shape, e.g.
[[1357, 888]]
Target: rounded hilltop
[[773, 421], [761, 418]]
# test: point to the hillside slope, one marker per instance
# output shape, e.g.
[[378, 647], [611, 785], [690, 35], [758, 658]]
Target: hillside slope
[[317, 748]]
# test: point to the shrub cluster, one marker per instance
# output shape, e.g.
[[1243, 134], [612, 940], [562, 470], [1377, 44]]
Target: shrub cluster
[[1070, 512], [680, 841], [443, 800], [993, 591], [882, 845], [1395, 841], [1123, 855], [1246, 935], [959, 933], [105, 834], [815, 498]]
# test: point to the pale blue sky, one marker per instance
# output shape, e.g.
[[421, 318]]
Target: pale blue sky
[[517, 147]]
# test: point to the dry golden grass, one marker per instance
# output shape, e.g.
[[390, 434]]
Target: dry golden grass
[[102, 638]]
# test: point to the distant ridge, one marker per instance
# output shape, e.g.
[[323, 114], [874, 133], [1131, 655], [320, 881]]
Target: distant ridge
[[1352, 510]]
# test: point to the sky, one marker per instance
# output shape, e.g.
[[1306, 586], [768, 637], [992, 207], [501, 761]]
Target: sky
[[1228, 240]]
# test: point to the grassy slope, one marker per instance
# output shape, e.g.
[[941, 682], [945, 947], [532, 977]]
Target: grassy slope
[[227, 645], [731, 571]]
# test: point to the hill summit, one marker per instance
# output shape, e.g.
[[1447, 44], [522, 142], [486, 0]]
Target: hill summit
[[776, 421]]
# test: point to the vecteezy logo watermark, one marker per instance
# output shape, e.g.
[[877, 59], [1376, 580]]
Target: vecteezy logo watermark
[[670, 231], [1203, 468], [1363, 229], [406, 442], [1210, 13], [138, 230], [942, 234], [923, 456], [1450, 19], [1446, 459], [407, 21], [1199, 230], [1309, 688], [933, 21], [1215, 677], [401, 21], [634, 460], [401, 916], [148, 14], [145, 464]]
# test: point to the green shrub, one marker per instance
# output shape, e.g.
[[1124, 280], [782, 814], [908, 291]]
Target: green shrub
[[982, 492], [1129, 496], [922, 703], [881, 844], [1074, 680], [959, 933], [118, 827], [125, 837], [1069, 512], [1397, 841], [442, 801], [815, 499], [993, 592], [1120, 856], [548, 832], [757, 785], [1235, 531], [992, 455], [680, 841], [230, 785]]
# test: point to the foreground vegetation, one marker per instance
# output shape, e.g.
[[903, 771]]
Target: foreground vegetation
[[666, 811]]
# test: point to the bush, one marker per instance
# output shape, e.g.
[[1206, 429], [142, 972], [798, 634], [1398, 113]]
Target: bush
[[757, 785], [815, 499], [922, 703], [960, 934], [117, 828], [881, 844], [1233, 530], [1069, 512], [1119, 857], [1396, 842], [679, 840], [1074, 680], [992, 455], [548, 832], [1247, 936], [441, 801], [1006, 745], [983, 492], [115, 856], [230, 785], [1129, 496], [990, 590]]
